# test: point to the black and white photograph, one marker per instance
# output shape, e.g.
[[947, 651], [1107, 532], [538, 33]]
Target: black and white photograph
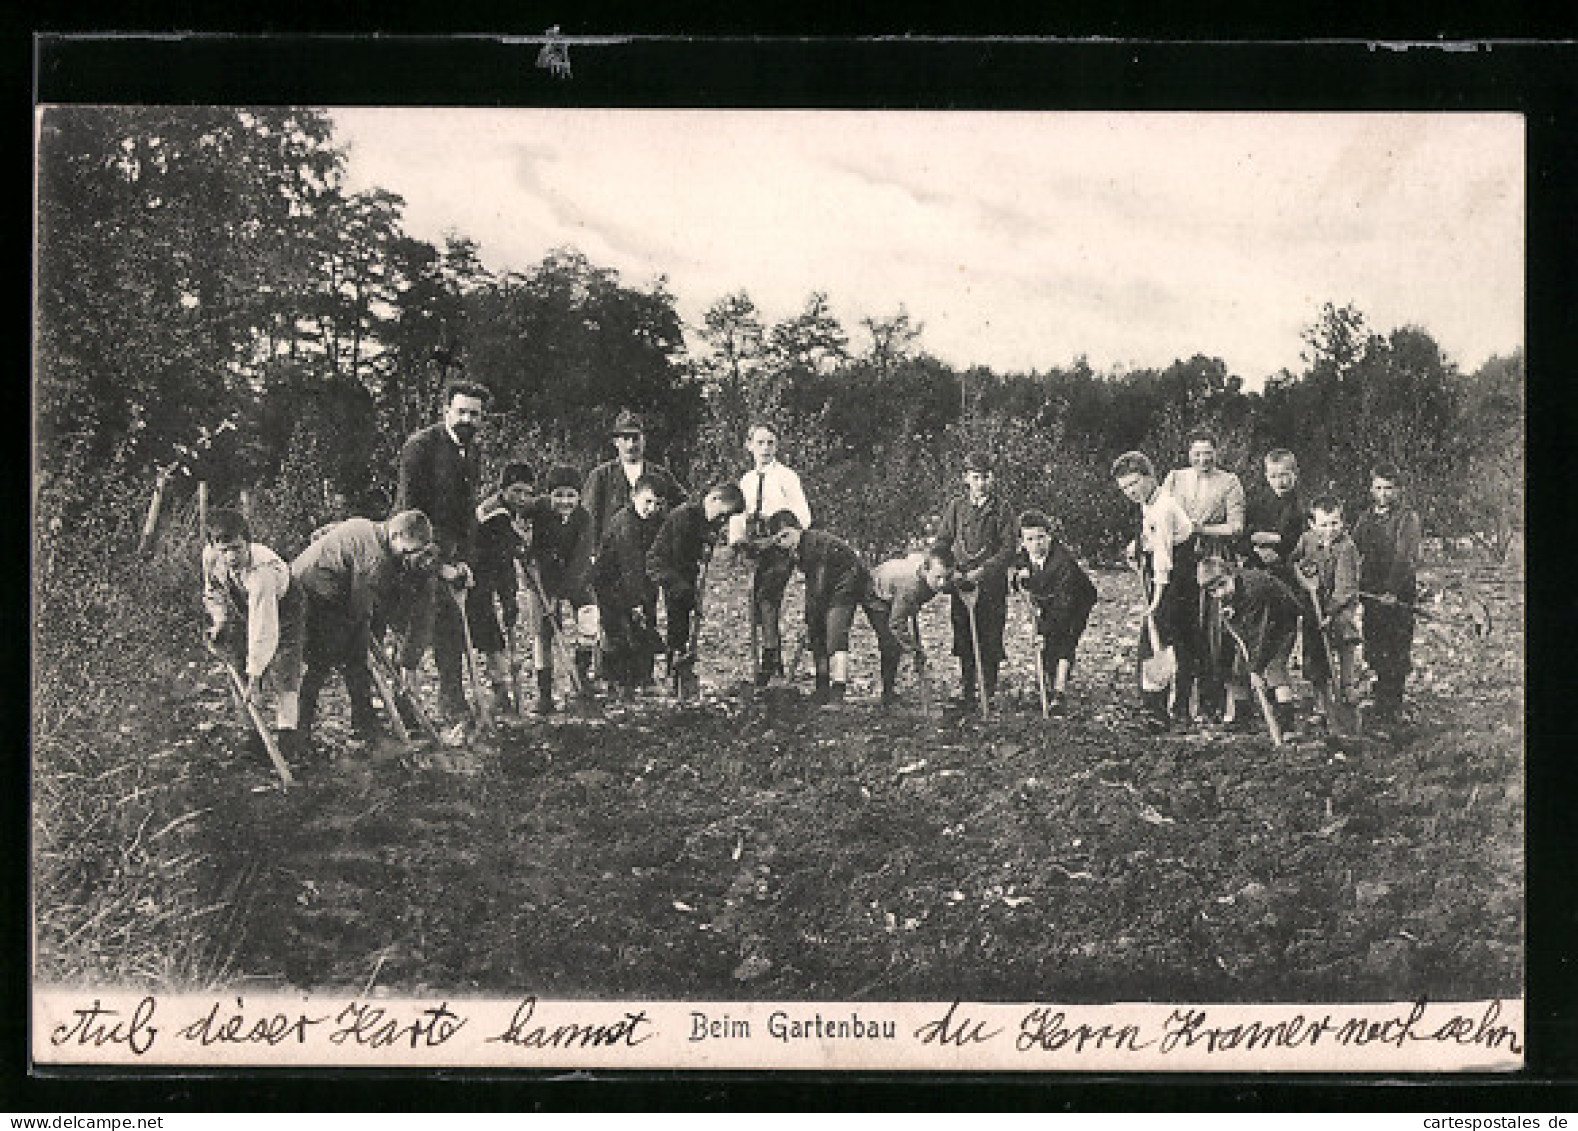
[[778, 587]]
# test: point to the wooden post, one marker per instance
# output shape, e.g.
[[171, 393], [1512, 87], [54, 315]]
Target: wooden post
[[246, 504], [150, 525], [202, 512]]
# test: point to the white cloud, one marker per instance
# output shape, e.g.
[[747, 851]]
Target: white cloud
[[1019, 239]]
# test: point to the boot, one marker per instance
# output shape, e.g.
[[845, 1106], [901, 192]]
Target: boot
[[835, 694], [890, 678], [772, 664], [583, 669], [503, 701], [544, 702], [824, 682], [1153, 705], [990, 682], [1287, 721], [686, 683], [968, 691]]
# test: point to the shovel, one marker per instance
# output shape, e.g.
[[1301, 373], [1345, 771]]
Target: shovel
[[1349, 723], [1257, 683], [561, 650], [1158, 669]]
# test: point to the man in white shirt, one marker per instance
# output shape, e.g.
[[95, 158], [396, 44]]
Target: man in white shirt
[[769, 487]]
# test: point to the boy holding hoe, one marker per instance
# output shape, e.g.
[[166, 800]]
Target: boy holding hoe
[[558, 569], [978, 529], [769, 487], [901, 587], [1260, 615], [1060, 595]]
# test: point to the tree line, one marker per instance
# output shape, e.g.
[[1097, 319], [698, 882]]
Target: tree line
[[211, 295]]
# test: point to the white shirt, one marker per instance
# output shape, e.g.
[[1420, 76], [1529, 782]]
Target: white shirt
[[264, 581], [767, 491], [1164, 524]]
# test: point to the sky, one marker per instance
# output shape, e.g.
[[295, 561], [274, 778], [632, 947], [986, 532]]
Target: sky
[[1019, 240]]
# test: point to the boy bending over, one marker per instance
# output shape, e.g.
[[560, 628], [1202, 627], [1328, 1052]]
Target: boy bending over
[[1263, 611]]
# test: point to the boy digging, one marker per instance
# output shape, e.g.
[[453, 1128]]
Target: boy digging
[[1264, 613], [499, 545], [683, 543], [902, 587], [255, 622], [769, 487], [836, 580], [559, 560], [1063, 596]]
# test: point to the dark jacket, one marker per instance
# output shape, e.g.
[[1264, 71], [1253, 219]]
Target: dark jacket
[[561, 548], [979, 536], [1282, 515], [1265, 616], [607, 490], [1388, 551], [497, 546], [834, 573], [682, 541], [620, 573], [435, 480], [1062, 591]]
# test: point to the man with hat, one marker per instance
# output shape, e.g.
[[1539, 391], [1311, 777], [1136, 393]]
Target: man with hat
[[440, 467], [978, 528], [608, 487]]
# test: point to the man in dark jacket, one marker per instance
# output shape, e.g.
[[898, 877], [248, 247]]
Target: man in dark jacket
[[1388, 537], [610, 485], [683, 543], [440, 467]]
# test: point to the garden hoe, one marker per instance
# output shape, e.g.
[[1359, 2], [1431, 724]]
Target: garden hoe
[[1345, 716], [561, 650], [383, 676], [479, 705], [240, 691], [920, 670], [970, 597], [1041, 667]]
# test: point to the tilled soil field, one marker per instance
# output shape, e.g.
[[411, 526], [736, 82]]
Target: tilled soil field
[[756, 847]]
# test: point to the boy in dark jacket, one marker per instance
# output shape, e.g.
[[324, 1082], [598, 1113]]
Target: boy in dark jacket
[[1063, 595], [559, 560], [836, 581], [1388, 537], [499, 545], [626, 597], [979, 529], [1264, 613], [683, 543]]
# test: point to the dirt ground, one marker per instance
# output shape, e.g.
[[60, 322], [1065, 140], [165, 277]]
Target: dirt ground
[[756, 847]]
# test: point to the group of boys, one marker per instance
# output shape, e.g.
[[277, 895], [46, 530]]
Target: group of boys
[[589, 561], [1229, 579]]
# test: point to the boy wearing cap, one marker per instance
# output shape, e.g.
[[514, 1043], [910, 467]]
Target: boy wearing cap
[[978, 529], [836, 581], [1062, 594], [626, 597], [499, 544], [683, 542], [769, 487], [611, 485], [560, 551]]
